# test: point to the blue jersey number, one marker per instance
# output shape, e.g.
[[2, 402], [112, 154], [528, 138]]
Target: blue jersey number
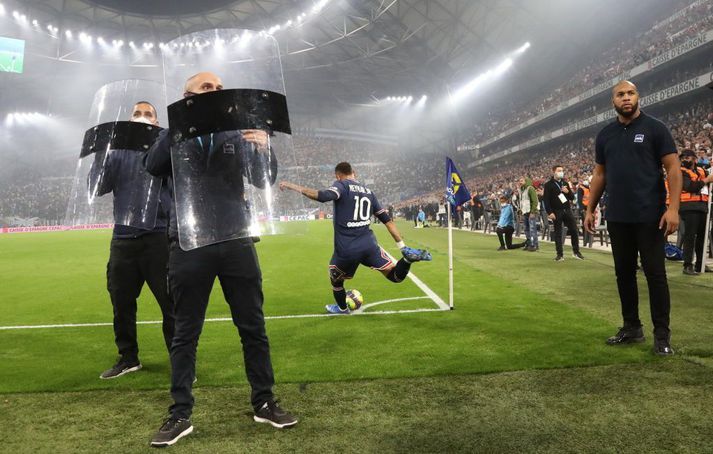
[[362, 208]]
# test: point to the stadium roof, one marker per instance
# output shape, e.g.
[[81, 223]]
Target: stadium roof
[[352, 50]]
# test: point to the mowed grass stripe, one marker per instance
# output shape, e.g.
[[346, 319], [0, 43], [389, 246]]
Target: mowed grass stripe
[[60, 277], [658, 407], [497, 325], [589, 285]]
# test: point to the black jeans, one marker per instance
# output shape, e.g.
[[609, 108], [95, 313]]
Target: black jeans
[[505, 236], [630, 240], [693, 237], [131, 263], [567, 218], [191, 275]]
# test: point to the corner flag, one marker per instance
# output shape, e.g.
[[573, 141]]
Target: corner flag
[[456, 194], [456, 191]]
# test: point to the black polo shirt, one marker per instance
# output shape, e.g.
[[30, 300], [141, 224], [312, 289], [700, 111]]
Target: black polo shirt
[[632, 156]]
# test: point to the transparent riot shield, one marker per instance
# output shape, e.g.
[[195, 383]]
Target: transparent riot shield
[[124, 126], [230, 137]]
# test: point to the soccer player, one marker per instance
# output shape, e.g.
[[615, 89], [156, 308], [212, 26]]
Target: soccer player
[[354, 242]]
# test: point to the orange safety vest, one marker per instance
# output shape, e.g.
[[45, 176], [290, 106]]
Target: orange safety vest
[[585, 196], [668, 194], [698, 175]]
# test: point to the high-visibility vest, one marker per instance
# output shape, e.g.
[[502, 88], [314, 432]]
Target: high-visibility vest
[[585, 196], [698, 175], [668, 194]]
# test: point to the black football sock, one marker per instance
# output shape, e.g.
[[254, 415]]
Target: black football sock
[[399, 272], [340, 296]]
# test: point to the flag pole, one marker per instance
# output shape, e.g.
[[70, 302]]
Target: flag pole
[[708, 226], [450, 255]]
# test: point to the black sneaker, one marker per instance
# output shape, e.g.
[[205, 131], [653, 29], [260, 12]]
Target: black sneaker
[[559, 258], [578, 256], [627, 336], [272, 414], [171, 431], [120, 368], [502, 248], [662, 347]]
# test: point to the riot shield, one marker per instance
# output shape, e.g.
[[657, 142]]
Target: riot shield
[[111, 158], [228, 143]]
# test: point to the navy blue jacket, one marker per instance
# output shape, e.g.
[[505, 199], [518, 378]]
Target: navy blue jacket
[[115, 178], [209, 151]]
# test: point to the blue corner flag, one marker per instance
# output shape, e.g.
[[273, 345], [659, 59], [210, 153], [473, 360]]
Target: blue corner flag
[[456, 192]]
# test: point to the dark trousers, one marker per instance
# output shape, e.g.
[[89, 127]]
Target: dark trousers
[[630, 240], [191, 275], [693, 237], [505, 236], [131, 263], [567, 218]]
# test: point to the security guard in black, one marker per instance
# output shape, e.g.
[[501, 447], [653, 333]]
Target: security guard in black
[[631, 154]]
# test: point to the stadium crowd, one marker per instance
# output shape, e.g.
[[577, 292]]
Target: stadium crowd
[[690, 124], [408, 182], [39, 193], [620, 58], [657, 83]]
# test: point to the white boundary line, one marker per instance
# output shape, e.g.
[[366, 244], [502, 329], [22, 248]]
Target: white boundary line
[[430, 294], [378, 303], [229, 319], [424, 288]]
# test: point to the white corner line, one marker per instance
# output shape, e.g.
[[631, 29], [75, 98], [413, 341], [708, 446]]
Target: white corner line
[[424, 288], [229, 319]]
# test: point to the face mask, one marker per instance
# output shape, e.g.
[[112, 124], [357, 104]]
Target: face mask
[[503, 205], [559, 175], [142, 120]]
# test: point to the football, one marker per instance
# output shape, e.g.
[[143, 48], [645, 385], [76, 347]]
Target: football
[[354, 299]]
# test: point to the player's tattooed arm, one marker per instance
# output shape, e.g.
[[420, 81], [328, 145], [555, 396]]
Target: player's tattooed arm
[[307, 192]]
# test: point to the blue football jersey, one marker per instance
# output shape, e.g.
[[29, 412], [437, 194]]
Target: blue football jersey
[[354, 204]]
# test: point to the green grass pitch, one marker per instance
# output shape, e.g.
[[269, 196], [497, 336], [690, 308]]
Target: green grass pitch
[[520, 365], [11, 62]]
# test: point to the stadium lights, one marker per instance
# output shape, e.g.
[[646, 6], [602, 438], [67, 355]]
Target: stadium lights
[[490, 74], [87, 39], [523, 48], [402, 99], [22, 118], [318, 7], [19, 17], [502, 67]]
